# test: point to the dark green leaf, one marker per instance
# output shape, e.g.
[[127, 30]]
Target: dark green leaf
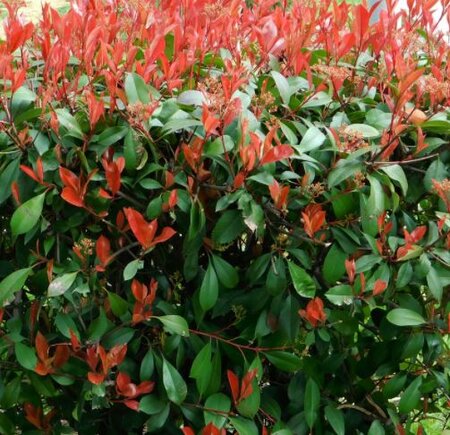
[[229, 226], [285, 361], [303, 283], [312, 402], [209, 291], [174, 384], [225, 272]]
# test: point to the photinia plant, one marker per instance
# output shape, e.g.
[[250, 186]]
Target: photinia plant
[[225, 217]]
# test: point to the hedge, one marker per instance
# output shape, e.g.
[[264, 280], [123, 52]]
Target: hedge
[[224, 217]]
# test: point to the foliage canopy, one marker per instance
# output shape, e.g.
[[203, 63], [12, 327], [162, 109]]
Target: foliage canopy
[[224, 217]]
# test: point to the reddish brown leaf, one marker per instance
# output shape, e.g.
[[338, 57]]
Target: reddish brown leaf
[[246, 386], [277, 153], [72, 197], [379, 287], [103, 251], [233, 380]]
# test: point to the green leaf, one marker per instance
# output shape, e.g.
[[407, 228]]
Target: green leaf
[[70, 123], [119, 306], [197, 221], [336, 419], [340, 295], [209, 291], [312, 402], [244, 426], [132, 268], [435, 284], [218, 402], [410, 399], [436, 126], [181, 124], [405, 317], [148, 183], [229, 226], [136, 90], [375, 205], [174, 384], [436, 171], [158, 420], [65, 324], [111, 135], [6, 425], [61, 284], [345, 168], [317, 100], [201, 369], [396, 173], [99, 326], [26, 356], [191, 97], [27, 215], [283, 87], [226, 273], [7, 176], [249, 406], [393, 387], [334, 264], [12, 284], [286, 361], [303, 283], [367, 131], [147, 366], [175, 324], [312, 139], [276, 281], [151, 404], [376, 428]]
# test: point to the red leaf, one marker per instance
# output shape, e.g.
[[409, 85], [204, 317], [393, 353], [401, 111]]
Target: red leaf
[[72, 197], [103, 250], [15, 191], [187, 430], [33, 414], [173, 198], [132, 404], [210, 123], [246, 387], [74, 341], [276, 154], [379, 287], [210, 429], [234, 385], [350, 267], [165, 235], [30, 173], [142, 230], [62, 355], [40, 170], [313, 219], [41, 345], [96, 378], [69, 178], [314, 312], [416, 236], [362, 279], [139, 290]]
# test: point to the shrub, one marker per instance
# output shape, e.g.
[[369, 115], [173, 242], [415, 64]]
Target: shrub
[[221, 217]]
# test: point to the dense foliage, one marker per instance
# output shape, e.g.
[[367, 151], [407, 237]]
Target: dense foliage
[[224, 217]]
